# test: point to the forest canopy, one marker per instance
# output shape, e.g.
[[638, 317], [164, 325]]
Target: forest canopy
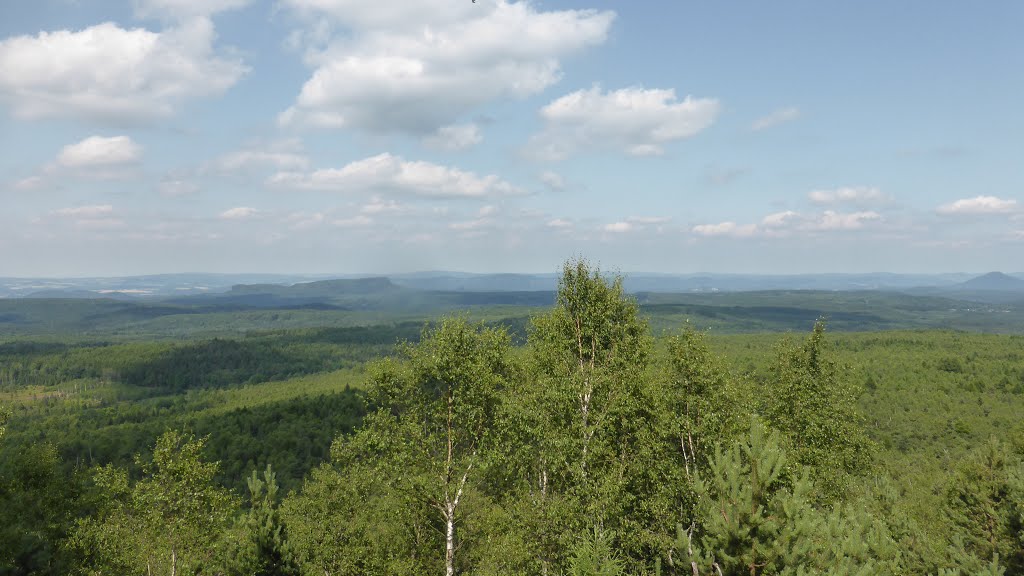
[[593, 448]]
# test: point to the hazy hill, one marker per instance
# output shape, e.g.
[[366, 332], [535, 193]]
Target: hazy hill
[[994, 281]]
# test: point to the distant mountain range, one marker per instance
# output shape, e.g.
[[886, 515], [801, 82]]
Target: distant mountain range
[[991, 287]]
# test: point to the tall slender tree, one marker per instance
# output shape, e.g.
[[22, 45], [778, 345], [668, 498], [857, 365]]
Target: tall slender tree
[[586, 401], [432, 427], [808, 400]]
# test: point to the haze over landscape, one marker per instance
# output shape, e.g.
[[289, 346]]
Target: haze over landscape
[[490, 287], [302, 136]]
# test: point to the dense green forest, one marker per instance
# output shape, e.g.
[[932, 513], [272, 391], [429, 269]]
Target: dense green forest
[[604, 435]]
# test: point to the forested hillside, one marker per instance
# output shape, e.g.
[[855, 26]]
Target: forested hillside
[[580, 442]]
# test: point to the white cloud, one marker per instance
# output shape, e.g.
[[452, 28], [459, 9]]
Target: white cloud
[[634, 120], [417, 66], [93, 211], [779, 219], [618, 227], [787, 223], [552, 180], [831, 220], [454, 137], [780, 116], [979, 205], [849, 195], [111, 74], [239, 213], [184, 8], [725, 229], [385, 172], [378, 205], [560, 223], [99, 151], [265, 159]]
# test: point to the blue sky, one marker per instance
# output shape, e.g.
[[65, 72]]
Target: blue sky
[[324, 136]]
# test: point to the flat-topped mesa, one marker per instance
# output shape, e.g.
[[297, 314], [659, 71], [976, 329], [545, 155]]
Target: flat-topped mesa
[[320, 287]]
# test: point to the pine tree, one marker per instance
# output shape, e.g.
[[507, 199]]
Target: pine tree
[[985, 502], [756, 516], [260, 545]]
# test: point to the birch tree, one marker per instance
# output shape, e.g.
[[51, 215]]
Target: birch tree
[[807, 399], [586, 403], [170, 522], [431, 429]]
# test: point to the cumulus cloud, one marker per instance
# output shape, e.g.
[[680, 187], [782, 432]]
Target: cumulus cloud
[[634, 120], [847, 195], [779, 219], [110, 74], [417, 66], [979, 205], [780, 116], [388, 173], [454, 137], [239, 213], [99, 151]]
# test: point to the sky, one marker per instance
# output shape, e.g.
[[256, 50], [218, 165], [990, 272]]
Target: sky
[[358, 136]]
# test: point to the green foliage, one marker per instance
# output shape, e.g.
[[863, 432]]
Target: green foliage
[[348, 522], [704, 405], [575, 454], [985, 501], [259, 543], [590, 412], [950, 364], [429, 441], [169, 522], [816, 409], [37, 506], [756, 516], [594, 555]]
